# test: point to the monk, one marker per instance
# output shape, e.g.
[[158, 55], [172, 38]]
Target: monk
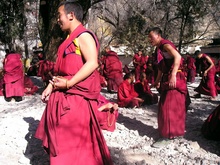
[[69, 128], [127, 97], [207, 84], [112, 70], [107, 114], [142, 87], [29, 87], [13, 77], [139, 62], [171, 106], [211, 126], [191, 69], [217, 76]]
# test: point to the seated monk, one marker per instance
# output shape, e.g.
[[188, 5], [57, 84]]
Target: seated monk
[[107, 114], [143, 89], [127, 97]]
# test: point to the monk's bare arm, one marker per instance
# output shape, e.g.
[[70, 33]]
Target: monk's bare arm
[[90, 54], [210, 62], [177, 58]]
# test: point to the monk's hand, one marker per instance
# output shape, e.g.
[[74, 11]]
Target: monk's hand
[[59, 82], [205, 73], [172, 82], [46, 93]]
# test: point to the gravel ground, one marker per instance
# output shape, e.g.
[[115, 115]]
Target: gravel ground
[[129, 144]]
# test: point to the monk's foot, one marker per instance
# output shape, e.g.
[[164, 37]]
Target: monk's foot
[[213, 98], [162, 142], [8, 99], [18, 98]]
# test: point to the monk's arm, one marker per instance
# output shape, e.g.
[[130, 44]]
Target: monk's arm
[[177, 58], [210, 62], [90, 54]]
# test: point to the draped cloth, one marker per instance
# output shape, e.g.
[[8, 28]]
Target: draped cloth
[[112, 70], [13, 75], [69, 129], [207, 85], [172, 103]]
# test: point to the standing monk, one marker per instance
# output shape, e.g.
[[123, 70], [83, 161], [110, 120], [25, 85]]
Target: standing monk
[[112, 70], [191, 69], [139, 62], [207, 84], [68, 128], [171, 106], [13, 77]]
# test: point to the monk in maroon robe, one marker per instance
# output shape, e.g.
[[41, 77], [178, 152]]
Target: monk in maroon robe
[[112, 70], [191, 69], [139, 62], [69, 128], [142, 87], [107, 114], [211, 126], [172, 108], [127, 97], [217, 76], [207, 84], [13, 77]]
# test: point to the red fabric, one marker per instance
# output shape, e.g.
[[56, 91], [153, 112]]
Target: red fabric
[[207, 84], [29, 87], [191, 69], [13, 75], [112, 68], [69, 128], [126, 95], [211, 126], [172, 104], [106, 118], [144, 92], [141, 66], [45, 67]]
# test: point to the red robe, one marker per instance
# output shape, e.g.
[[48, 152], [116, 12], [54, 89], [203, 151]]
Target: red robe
[[140, 67], [126, 95], [13, 75], [29, 87], [217, 76], [211, 126], [45, 67], [207, 84], [172, 107], [112, 68], [144, 92], [106, 118], [69, 128], [191, 69]]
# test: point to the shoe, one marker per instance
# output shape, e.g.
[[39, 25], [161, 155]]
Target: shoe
[[8, 99], [18, 98], [163, 142], [197, 95]]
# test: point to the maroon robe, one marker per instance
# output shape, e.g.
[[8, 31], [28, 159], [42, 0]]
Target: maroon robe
[[107, 118], [207, 84], [144, 92], [126, 95], [191, 69], [45, 67], [29, 87], [172, 107], [112, 71], [13, 75], [217, 76], [69, 128], [140, 67], [211, 126]]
